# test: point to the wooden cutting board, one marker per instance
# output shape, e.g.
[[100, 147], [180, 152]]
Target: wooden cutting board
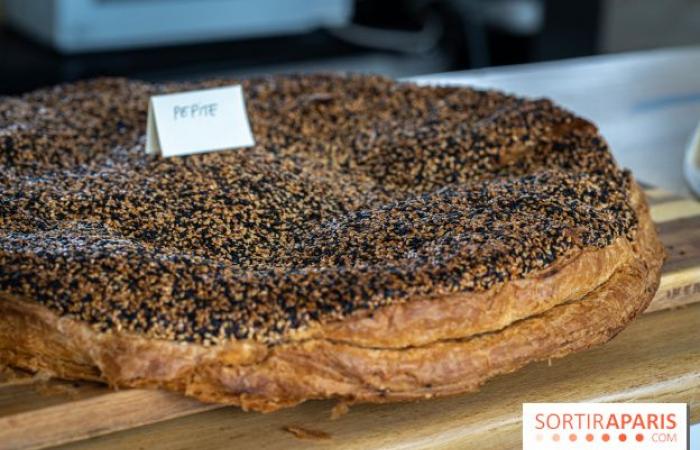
[[656, 359]]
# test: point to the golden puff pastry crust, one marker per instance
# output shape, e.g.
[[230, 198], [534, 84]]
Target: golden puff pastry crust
[[382, 241]]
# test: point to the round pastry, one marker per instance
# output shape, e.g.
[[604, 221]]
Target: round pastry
[[382, 241]]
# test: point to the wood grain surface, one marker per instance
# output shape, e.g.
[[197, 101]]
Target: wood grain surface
[[655, 359]]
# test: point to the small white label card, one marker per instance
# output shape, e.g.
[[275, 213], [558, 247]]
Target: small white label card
[[198, 121]]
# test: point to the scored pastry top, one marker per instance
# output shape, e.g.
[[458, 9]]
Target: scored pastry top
[[360, 192]]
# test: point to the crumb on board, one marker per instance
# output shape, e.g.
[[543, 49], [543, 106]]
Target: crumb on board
[[49, 389], [339, 410], [307, 433]]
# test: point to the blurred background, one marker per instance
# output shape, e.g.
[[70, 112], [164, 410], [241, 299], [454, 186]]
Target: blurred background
[[43, 42]]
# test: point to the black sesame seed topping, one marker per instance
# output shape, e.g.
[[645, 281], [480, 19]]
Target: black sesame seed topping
[[360, 192]]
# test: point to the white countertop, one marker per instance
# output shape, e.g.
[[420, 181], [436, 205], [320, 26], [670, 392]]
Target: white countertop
[[647, 104]]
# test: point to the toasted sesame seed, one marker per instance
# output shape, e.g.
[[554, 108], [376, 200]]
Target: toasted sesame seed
[[360, 192]]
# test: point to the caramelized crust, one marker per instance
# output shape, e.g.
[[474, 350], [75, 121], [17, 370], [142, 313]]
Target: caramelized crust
[[360, 193], [381, 241], [263, 378]]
